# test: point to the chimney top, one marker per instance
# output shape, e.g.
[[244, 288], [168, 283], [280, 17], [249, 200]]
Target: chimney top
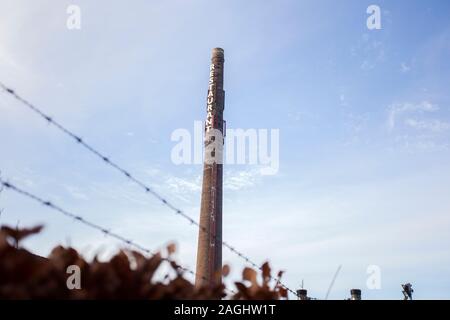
[[217, 52]]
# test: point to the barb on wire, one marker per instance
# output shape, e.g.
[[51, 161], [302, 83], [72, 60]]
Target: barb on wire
[[131, 177], [1, 189], [51, 205]]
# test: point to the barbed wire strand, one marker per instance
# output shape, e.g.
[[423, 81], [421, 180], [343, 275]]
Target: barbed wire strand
[[131, 177], [105, 231]]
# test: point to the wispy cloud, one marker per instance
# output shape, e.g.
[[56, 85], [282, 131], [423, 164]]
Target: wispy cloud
[[412, 143], [428, 125], [187, 187], [76, 192], [371, 51], [399, 109], [404, 68], [184, 186], [418, 127], [237, 180]]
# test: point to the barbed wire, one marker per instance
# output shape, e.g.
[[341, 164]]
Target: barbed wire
[[132, 178], [1, 189], [105, 231]]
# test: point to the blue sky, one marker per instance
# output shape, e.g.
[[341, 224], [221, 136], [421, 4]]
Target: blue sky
[[364, 120]]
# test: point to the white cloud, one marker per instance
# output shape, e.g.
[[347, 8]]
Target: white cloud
[[191, 185], [76, 193], [404, 67], [372, 52], [183, 186], [420, 143], [417, 127], [366, 65], [429, 125], [296, 115], [396, 110], [237, 180]]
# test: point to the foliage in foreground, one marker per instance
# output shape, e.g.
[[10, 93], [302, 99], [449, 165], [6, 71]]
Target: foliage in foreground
[[127, 275]]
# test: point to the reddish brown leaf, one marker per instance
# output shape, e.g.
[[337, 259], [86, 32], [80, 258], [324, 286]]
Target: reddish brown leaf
[[225, 270], [250, 275], [266, 272], [171, 248], [19, 234]]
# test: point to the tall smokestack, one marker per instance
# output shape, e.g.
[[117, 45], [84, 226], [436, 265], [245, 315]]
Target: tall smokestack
[[209, 253]]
